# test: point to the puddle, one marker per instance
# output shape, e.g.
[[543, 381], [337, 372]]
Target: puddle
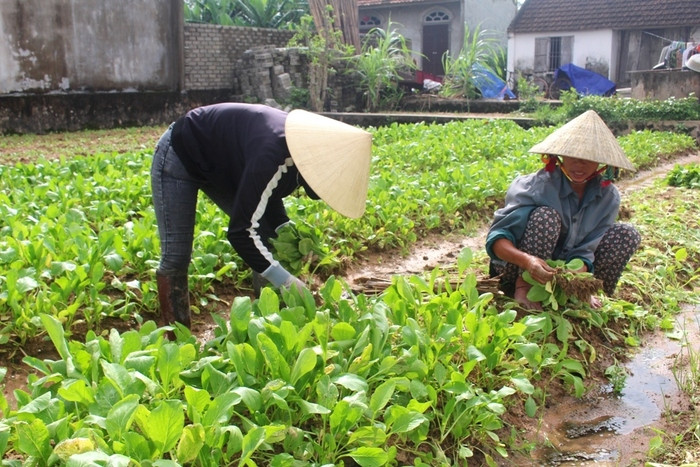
[[611, 430]]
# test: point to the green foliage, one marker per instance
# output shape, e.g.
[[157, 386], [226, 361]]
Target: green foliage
[[349, 378], [687, 176], [299, 98], [276, 14], [474, 60], [645, 144], [616, 109], [384, 56], [79, 240], [429, 368], [497, 62], [670, 261], [529, 95], [619, 109], [617, 375]]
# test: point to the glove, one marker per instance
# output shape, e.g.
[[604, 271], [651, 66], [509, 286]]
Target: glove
[[294, 282]]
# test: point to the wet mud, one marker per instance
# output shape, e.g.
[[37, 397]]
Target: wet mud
[[607, 429]]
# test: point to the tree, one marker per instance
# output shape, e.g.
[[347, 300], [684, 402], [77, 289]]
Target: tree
[[337, 15]]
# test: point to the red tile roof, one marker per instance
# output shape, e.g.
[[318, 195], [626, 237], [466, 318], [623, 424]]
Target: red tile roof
[[578, 15]]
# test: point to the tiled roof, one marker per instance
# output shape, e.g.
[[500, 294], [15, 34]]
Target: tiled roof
[[578, 15], [372, 3]]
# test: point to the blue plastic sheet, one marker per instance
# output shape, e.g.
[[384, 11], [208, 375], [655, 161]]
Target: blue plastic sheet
[[585, 82], [489, 85]]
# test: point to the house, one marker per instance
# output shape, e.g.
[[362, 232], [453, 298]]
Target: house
[[433, 27], [610, 37]]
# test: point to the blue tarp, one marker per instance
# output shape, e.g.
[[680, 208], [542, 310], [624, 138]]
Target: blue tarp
[[585, 82], [490, 85]]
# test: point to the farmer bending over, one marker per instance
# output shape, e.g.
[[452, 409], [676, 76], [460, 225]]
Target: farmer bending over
[[564, 211], [247, 158]]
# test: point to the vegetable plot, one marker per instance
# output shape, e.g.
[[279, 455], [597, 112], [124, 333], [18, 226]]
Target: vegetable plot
[[422, 374], [417, 373], [79, 240]]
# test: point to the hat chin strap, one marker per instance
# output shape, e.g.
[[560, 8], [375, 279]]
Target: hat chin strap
[[307, 188], [591, 177], [610, 172]]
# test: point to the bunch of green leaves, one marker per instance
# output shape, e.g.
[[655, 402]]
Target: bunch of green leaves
[[569, 283], [529, 95], [687, 176], [278, 14], [299, 247]]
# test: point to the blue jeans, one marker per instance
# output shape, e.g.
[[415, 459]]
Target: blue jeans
[[175, 202]]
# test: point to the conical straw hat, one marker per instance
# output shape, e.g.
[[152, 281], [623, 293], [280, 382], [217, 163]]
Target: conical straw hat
[[333, 157], [585, 137]]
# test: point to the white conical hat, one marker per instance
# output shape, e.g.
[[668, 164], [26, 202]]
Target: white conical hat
[[333, 157], [585, 137]]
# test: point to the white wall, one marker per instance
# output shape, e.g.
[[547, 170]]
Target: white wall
[[589, 47]]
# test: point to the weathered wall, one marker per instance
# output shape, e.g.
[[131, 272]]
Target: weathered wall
[[47, 112], [89, 45], [211, 52], [662, 84]]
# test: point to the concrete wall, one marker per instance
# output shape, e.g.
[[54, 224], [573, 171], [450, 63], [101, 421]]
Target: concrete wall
[[662, 84], [90, 45]]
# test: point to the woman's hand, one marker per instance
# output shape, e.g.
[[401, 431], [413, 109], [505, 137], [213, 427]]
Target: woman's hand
[[539, 269]]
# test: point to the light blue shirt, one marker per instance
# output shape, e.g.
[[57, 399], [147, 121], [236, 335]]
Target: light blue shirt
[[584, 222]]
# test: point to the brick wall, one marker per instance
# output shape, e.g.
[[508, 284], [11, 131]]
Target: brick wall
[[211, 52]]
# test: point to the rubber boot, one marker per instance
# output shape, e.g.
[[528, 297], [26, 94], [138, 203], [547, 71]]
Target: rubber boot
[[174, 298]]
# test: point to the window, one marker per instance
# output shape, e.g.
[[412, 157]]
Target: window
[[552, 52], [437, 16], [368, 22]]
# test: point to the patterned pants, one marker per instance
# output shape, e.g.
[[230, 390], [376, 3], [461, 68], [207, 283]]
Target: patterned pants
[[540, 238]]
